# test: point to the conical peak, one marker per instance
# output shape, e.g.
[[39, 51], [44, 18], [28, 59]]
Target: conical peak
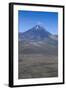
[[38, 27]]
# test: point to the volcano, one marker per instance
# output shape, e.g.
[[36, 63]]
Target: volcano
[[37, 53], [37, 40], [35, 33]]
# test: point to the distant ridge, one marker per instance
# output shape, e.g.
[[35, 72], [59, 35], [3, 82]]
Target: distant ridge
[[36, 33]]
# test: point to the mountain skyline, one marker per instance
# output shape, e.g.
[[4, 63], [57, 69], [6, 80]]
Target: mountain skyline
[[37, 35], [28, 19], [36, 32], [38, 25]]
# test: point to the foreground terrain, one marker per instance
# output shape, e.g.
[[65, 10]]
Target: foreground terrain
[[37, 66]]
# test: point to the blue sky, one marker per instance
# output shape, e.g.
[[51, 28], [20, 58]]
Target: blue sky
[[28, 19]]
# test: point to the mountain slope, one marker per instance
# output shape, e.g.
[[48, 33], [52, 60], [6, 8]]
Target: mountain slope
[[38, 40], [34, 33]]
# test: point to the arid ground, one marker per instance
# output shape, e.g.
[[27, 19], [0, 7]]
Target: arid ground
[[37, 66]]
